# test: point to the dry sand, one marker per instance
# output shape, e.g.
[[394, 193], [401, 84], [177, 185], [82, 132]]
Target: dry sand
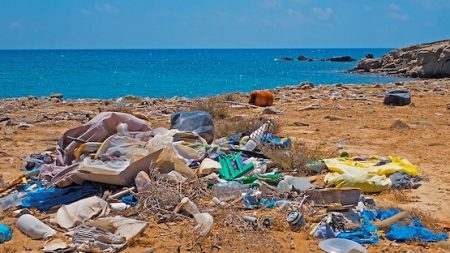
[[355, 120]]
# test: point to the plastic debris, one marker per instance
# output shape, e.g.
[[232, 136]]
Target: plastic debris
[[204, 220], [300, 184], [295, 221], [34, 228], [232, 166], [71, 215], [337, 245], [5, 233], [199, 122]]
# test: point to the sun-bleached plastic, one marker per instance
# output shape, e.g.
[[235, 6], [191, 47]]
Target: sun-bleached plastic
[[34, 228], [205, 220], [339, 245]]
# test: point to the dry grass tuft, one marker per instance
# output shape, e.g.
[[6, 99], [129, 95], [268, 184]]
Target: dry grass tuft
[[8, 249], [427, 219], [295, 158], [239, 124], [401, 196], [215, 106], [230, 96]]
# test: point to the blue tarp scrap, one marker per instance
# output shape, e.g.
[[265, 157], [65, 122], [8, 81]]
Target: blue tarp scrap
[[130, 200], [368, 232], [384, 214], [416, 231], [44, 199], [5, 233]]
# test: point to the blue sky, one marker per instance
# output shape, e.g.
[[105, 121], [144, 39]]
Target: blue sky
[[221, 23]]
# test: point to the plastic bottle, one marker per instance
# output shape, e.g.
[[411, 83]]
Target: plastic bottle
[[255, 137], [204, 220], [12, 200], [34, 228], [229, 190]]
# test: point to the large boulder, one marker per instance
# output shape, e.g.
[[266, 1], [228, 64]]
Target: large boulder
[[431, 60], [369, 63]]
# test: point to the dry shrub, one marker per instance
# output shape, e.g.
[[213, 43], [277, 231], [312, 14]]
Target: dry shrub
[[401, 196], [296, 157], [230, 96], [8, 249], [427, 219], [161, 198], [215, 106], [239, 124]]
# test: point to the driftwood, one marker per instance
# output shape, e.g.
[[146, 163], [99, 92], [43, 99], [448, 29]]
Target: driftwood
[[122, 193], [243, 104], [387, 223]]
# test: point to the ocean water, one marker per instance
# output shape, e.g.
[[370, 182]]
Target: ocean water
[[170, 72]]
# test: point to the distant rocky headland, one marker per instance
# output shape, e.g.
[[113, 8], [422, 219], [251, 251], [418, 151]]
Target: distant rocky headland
[[429, 60]]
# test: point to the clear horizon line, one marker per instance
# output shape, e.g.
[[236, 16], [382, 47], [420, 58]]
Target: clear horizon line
[[193, 48]]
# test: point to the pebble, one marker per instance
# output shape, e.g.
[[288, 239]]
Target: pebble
[[23, 125], [299, 123], [306, 85], [55, 100], [57, 95], [270, 110], [398, 124], [333, 117]]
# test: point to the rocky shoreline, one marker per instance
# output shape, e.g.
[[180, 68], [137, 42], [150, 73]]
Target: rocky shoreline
[[39, 109], [429, 60]]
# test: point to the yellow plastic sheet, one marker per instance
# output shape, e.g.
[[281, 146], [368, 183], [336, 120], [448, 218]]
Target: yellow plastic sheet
[[364, 174]]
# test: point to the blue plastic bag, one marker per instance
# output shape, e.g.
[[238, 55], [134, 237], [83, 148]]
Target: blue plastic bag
[[130, 200], [367, 233], [416, 231], [44, 199], [5, 233]]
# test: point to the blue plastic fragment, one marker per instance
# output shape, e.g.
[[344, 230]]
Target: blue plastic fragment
[[5, 233], [130, 200], [44, 199]]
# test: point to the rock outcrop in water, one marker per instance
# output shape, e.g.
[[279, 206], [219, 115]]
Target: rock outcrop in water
[[333, 59], [340, 59], [430, 60]]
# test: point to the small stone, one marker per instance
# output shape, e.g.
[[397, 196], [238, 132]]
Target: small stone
[[333, 117], [270, 110], [55, 100], [4, 119], [398, 124], [57, 95], [306, 85], [23, 125], [299, 123], [399, 83]]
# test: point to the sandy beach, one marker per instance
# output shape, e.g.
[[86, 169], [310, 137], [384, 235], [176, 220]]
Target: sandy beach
[[349, 118]]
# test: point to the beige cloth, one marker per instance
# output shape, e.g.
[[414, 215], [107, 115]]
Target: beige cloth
[[97, 130], [69, 216]]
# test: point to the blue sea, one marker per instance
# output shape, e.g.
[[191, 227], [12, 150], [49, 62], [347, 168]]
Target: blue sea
[[170, 72]]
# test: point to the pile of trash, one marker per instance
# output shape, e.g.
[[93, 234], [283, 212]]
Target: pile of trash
[[117, 162]]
